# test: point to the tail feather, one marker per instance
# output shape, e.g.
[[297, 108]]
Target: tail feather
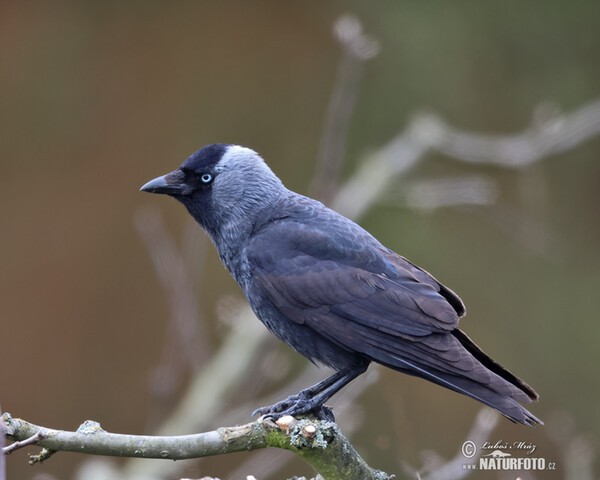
[[494, 366], [489, 382]]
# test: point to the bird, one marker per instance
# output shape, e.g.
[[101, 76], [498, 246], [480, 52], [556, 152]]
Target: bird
[[329, 289]]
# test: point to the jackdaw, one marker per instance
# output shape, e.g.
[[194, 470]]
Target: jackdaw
[[331, 290]]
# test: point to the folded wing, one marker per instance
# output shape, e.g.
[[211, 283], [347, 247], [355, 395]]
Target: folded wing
[[364, 298]]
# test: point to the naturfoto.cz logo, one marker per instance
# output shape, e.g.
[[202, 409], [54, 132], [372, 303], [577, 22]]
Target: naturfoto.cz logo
[[500, 456]]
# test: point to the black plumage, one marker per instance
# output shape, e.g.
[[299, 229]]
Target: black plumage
[[329, 289]]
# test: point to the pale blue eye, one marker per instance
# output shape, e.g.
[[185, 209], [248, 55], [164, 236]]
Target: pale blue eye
[[206, 178]]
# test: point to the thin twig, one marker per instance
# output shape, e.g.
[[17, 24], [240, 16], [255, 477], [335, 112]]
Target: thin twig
[[547, 136], [428, 132], [357, 47], [173, 274], [35, 438], [185, 347]]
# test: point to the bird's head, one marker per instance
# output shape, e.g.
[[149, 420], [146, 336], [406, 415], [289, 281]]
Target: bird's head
[[221, 185]]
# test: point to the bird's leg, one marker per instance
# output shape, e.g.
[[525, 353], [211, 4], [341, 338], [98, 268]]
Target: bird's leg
[[312, 398], [302, 396]]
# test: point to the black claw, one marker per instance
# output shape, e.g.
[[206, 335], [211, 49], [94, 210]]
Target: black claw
[[282, 408], [258, 411], [270, 416]]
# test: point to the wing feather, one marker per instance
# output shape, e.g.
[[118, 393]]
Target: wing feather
[[363, 286]]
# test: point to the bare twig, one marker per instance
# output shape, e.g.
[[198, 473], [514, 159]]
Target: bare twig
[[185, 346], [323, 446], [357, 47], [377, 170], [173, 274], [428, 132], [35, 438], [548, 135], [477, 190]]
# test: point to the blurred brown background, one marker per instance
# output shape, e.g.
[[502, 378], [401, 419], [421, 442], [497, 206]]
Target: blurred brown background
[[96, 98]]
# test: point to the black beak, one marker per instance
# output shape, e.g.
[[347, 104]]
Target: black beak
[[170, 184]]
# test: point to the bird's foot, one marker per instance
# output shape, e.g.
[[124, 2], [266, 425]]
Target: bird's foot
[[276, 410], [296, 405]]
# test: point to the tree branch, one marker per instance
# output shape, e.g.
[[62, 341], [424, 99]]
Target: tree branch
[[549, 134], [320, 444]]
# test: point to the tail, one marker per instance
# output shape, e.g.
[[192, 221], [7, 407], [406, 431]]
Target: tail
[[507, 406], [453, 361]]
